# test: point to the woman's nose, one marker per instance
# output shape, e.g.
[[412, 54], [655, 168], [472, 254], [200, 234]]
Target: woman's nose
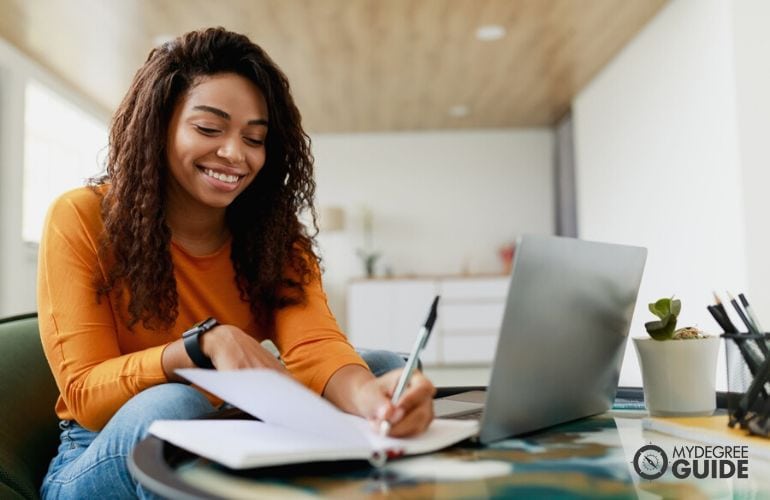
[[231, 150]]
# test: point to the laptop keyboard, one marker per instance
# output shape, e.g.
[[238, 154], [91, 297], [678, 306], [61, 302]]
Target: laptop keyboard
[[448, 408], [474, 415]]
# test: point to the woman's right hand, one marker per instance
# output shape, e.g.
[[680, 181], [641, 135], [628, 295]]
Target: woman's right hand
[[230, 348]]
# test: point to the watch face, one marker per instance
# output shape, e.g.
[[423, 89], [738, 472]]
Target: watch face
[[650, 461]]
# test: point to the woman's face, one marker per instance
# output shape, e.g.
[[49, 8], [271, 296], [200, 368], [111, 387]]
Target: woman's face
[[216, 140]]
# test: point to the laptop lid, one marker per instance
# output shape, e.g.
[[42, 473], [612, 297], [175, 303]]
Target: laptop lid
[[563, 335]]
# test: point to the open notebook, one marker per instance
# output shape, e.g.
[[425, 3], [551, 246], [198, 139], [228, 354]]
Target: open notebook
[[296, 425]]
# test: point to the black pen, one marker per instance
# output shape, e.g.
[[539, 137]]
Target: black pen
[[742, 315], [411, 363], [722, 319], [750, 312], [753, 361], [720, 309]]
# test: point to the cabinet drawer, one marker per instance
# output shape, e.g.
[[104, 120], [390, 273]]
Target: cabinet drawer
[[468, 349], [472, 318], [388, 315], [474, 289]]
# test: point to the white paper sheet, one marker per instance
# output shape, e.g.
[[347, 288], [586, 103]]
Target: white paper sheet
[[279, 400]]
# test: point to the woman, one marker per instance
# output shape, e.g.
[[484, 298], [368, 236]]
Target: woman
[[194, 219]]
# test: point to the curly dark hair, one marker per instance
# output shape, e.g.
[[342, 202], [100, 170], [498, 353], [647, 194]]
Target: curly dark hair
[[267, 237]]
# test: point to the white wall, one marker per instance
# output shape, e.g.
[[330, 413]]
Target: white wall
[[443, 202], [17, 266], [18, 262], [752, 73], [658, 162]]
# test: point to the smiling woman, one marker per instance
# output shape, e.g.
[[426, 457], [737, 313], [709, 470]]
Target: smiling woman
[[196, 218], [216, 142]]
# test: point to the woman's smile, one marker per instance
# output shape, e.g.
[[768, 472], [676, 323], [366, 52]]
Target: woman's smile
[[220, 179]]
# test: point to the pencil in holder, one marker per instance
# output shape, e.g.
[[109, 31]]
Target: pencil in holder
[[748, 381]]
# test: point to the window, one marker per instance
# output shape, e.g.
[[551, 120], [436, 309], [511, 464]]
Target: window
[[63, 146]]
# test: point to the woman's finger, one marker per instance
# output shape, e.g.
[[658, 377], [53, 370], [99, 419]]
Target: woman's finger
[[419, 390], [414, 422]]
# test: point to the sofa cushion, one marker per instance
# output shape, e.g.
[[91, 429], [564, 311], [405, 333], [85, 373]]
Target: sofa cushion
[[29, 433]]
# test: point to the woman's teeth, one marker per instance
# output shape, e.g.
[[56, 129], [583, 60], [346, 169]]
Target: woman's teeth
[[232, 179]]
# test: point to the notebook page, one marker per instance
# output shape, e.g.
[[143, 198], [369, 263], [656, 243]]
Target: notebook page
[[242, 444], [279, 400], [440, 434]]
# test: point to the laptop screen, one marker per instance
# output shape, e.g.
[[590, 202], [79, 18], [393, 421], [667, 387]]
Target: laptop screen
[[563, 334]]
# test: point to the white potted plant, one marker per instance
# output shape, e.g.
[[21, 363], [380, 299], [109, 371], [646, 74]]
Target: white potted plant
[[678, 365]]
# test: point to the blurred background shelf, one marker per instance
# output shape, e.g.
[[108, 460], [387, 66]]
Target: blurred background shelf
[[386, 314]]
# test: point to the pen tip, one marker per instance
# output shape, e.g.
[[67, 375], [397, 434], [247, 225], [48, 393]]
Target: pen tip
[[432, 314], [716, 298], [730, 296]]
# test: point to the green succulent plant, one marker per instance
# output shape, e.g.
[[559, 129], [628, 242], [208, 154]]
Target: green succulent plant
[[667, 310]]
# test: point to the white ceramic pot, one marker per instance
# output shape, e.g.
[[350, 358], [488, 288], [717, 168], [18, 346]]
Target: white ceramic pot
[[679, 376]]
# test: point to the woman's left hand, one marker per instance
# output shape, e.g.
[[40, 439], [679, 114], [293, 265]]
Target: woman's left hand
[[414, 411]]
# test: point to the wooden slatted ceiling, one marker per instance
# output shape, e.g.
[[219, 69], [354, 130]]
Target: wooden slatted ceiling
[[355, 65]]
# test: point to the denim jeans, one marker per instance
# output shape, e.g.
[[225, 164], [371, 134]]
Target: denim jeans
[[94, 464]]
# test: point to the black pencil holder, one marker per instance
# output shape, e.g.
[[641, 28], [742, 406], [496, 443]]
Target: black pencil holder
[[748, 381]]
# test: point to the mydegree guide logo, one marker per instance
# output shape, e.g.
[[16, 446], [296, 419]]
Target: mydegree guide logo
[[699, 461]]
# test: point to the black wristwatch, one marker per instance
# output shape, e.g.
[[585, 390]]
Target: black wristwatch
[[192, 342]]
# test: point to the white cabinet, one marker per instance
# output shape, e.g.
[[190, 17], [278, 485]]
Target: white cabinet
[[387, 314]]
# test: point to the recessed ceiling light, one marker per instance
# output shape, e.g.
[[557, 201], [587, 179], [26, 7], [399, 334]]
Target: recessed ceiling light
[[459, 111], [490, 32]]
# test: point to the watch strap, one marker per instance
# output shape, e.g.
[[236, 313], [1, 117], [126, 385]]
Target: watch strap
[[192, 343]]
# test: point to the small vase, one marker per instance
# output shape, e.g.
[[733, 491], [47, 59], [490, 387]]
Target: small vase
[[679, 376], [369, 263], [368, 260]]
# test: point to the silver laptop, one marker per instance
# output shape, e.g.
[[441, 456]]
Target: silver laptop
[[562, 339]]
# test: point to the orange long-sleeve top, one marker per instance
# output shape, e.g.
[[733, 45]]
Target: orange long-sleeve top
[[99, 364]]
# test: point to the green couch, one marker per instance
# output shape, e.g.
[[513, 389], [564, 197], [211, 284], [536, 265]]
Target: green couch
[[29, 432]]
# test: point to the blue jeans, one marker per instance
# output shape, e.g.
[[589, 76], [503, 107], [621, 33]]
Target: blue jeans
[[93, 464]]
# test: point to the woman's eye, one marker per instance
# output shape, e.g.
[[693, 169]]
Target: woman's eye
[[253, 142], [206, 130]]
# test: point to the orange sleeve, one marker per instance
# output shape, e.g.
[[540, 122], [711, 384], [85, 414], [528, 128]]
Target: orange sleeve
[[79, 334], [310, 341]]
